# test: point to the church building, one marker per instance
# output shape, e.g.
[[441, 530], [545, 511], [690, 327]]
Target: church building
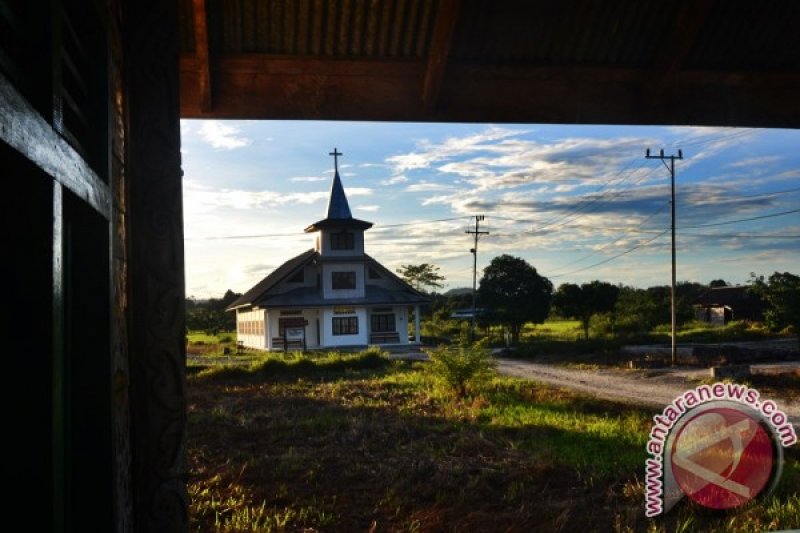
[[330, 296]]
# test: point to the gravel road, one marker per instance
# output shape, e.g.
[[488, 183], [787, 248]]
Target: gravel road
[[648, 388]]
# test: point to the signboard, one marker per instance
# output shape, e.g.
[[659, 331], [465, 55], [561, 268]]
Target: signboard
[[298, 322], [295, 333]]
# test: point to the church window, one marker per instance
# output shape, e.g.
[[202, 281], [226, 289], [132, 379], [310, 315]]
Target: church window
[[345, 325], [343, 280], [342, 241], [381, 323]]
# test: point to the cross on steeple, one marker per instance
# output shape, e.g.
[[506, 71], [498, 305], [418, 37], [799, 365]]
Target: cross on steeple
[[335, 155]]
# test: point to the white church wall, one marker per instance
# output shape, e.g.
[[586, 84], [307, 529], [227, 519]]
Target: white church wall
[[251, 329], [309, 315], [326, 327], [329, 293], [324, 243]]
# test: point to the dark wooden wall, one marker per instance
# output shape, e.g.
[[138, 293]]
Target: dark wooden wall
[[91, 229]]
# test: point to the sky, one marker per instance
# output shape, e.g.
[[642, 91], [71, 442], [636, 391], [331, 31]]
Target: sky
[[579, 203]]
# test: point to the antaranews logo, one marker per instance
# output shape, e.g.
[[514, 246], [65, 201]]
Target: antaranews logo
[[719, 444]]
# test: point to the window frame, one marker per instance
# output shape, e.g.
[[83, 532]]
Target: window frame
[[344, 325], [343, 240], [386, 322], [344, 280]]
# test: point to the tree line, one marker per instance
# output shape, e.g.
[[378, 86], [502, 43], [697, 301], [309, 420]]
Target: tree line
[[512, 293], [209, 315]]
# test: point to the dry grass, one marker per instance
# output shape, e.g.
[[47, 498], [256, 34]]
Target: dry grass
[[382, 449]]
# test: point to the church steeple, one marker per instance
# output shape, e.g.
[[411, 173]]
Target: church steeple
[[338, 207], [338, 214]]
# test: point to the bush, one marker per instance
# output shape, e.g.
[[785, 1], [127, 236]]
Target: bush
[[462, 368], [602, 324]]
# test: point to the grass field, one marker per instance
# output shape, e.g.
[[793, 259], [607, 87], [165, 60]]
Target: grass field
[[359, 443]]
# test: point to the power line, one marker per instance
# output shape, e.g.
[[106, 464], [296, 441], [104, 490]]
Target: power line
[[382, 226], [593, 198], [629, 250], [603, 247], [297, 234], [771, 215], [742, 236]]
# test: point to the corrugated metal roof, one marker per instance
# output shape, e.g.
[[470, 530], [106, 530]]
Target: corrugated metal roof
[[353, 28], [621, 61], [736, 34]]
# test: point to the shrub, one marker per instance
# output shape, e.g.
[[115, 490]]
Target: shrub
[[602, 324], [463, 367]]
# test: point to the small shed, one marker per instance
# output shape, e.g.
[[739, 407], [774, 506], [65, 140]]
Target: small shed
[[720, 305]]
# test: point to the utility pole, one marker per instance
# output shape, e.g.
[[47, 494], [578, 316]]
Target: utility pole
[[477, 233], [671, 167]]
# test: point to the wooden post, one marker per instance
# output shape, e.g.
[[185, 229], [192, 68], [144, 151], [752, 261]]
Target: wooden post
[[155, 291]]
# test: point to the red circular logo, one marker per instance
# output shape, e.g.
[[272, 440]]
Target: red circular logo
[[722, 458]]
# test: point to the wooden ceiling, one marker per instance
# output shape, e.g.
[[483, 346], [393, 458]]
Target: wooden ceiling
[[700, 62]]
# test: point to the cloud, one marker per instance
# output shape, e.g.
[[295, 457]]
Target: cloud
[[368, 208], [356, 191], [200, 199], [427, 186], [222, 136], [431, 153], [755, 161], [309, 178], [394, 180]]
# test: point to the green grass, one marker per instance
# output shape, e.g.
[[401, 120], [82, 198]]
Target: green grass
[[565, 330], [201, 337], [297, 365], [342, 443]]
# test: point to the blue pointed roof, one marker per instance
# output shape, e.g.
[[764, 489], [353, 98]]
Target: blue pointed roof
[[338, 214], [338, 207]]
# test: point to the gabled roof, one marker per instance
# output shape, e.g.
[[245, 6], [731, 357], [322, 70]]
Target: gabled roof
[[277, 275], [394, 277], [338, 214], [729, 296], [312, 297]]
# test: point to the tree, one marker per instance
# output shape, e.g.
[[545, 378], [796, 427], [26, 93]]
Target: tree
[[422, 275], [639, 310], [582, 302], [209, 315], [512, 293], [781, 293], [718, 283]]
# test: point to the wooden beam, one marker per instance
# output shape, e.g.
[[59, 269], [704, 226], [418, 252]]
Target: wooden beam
[[442, 39], [201, 52], [24, 129], [284, 87]]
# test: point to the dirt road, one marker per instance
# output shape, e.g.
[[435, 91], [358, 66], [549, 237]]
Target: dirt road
[[641, 387]]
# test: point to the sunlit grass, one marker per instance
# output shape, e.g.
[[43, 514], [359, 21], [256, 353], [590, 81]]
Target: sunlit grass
[[345, 448]]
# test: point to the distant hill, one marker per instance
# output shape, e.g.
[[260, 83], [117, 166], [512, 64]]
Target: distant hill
[[458, 291]]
